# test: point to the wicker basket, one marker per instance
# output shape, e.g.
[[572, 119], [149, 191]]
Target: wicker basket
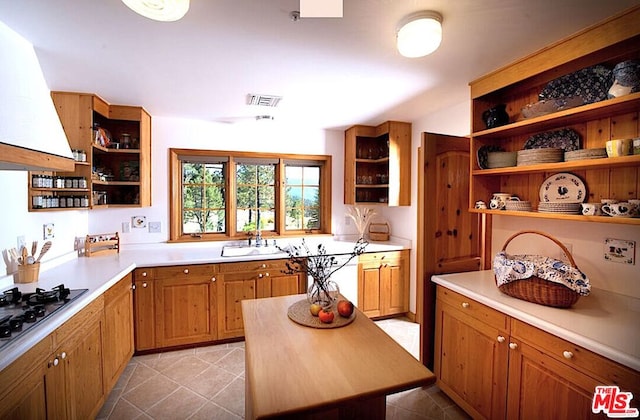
[[537, 290], [379, 231]]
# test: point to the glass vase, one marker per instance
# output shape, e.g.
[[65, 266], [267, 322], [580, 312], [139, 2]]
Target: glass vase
[[325, 293]]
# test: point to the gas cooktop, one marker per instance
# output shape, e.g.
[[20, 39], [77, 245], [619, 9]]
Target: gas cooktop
[[21, 311]]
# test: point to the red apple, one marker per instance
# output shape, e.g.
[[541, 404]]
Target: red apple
[[326, 316], [345, 308]]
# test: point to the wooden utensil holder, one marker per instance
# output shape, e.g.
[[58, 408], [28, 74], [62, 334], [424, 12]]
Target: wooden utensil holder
[[28, 273]]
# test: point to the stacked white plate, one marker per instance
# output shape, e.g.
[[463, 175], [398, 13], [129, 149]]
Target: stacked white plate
[[518, 205], [501, 159], [560, 208], [535, 156], [585, 154]]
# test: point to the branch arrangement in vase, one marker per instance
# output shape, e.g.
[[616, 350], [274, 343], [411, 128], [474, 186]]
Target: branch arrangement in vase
[[361, 216]]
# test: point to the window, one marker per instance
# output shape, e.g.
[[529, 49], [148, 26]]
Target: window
[[221, 195]]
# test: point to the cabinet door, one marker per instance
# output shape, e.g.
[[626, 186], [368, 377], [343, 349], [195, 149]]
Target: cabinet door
[[541, 387], [84, 374], [369, 289], [26, 400], [394, 284], [278, 285], [185, 310], [144, 309], [234, 290], [471, 360], [118, 330]]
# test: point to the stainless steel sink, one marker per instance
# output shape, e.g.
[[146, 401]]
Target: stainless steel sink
[[242, 251]]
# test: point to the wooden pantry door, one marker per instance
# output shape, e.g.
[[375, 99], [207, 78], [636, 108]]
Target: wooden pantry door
[[450, 238]]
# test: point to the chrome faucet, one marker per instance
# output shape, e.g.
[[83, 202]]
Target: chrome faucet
[[258, 238]]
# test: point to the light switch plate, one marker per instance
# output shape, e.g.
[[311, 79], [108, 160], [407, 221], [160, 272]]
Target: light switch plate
[[620, 251]]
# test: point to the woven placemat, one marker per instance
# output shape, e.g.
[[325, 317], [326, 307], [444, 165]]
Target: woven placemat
[[300, 314]]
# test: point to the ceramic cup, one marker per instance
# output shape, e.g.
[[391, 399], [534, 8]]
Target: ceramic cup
[[635, 204], [481, 205], [592, 209], [620, 147], [623, 209], [498, 201]]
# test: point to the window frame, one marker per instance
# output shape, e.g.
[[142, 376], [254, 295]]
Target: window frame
[[176, 156]]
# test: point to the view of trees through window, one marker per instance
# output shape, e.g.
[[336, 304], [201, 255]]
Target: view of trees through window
[[302, 197], [217, 194], [203, 206], [255, 197]]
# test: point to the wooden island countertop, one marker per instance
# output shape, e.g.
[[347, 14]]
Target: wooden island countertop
[[303, 372]]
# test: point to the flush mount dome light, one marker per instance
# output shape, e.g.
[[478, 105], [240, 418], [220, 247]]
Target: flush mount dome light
[[162, 10], [419, 34]]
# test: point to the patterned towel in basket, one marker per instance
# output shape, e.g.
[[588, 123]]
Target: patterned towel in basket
[[508, 268]]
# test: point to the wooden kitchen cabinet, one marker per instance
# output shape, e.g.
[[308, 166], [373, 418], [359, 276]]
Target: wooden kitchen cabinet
[[495, 366], [185, 304], [251, 280], [518, 84], [74, 375], [114, 177], [383, 283], [118, 343], [377, 164]]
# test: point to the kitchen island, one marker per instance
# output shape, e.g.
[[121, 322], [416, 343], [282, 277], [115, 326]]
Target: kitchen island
[[294, 371]]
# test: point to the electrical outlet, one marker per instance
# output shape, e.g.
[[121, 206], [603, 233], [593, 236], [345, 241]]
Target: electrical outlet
[[154, 227], [21, 241], [126, 227], [620, 251]]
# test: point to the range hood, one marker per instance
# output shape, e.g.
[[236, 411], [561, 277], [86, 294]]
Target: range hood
[[31, 135]]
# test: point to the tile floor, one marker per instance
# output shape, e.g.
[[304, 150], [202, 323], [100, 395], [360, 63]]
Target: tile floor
[[208, 383]]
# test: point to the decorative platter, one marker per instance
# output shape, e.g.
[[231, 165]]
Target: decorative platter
[[591, 84], [565, 139], [483, 153], [299, 313], [563, 187]]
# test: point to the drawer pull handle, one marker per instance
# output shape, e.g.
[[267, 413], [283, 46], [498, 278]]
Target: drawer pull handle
[[185, 271], [144, 284], [55, 362], [513, 346], [144, 274], [213, 279], [260, 276], [465, 304], [567, 354], [501, 339], [63, 355], [266, 274], [264, 266]]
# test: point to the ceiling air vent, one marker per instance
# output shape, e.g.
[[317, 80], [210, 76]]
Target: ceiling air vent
[[263, 100]]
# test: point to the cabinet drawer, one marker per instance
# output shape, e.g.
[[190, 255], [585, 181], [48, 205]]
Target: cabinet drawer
[[87, 316], [185, 270], [474, 309], [257, 266], [380, 257], [581, 359], [146, 273]]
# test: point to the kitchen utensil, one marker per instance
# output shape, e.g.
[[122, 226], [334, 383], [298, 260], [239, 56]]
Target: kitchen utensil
[[34, 248], [44, 250], [24, 254]]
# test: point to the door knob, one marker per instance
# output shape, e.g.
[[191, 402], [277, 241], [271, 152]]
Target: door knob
[[513, 346]]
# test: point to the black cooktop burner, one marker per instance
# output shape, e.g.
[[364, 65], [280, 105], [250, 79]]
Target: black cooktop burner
[[20, 311]]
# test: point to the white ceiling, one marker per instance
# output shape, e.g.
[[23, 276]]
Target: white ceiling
[[332, 72]]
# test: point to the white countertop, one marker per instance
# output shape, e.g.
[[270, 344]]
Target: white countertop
[[603, 322], [99, 273]]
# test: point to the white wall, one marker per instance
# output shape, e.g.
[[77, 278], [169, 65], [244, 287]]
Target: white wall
[[263, 136]]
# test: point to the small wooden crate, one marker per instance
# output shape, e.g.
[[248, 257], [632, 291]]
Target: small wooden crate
[[104, 243], [378, 231]]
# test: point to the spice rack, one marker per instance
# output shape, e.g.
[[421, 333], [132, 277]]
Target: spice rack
[[104, 243], [113, 173]]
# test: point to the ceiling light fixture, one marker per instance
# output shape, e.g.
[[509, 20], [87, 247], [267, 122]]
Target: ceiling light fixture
[[162, 10], [419, 34]]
